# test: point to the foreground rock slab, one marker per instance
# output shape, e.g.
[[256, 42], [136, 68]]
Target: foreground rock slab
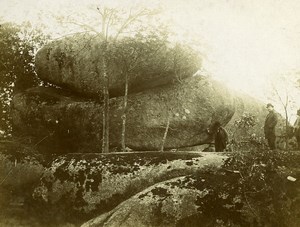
[[89, 184], [252, 188], [183, 201]]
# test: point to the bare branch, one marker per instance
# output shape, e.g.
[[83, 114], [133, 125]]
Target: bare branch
[[70, 34], [84, 26], [109, 22], [100, 12], [3, 64], [278, 95], [132, 18]]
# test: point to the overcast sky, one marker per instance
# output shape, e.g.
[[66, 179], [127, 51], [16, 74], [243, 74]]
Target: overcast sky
[[246, 43]]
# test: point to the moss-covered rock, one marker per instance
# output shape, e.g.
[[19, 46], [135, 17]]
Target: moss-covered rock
[[257, 188], [184, 201], [76, 125], [85, 185], [75, 62]]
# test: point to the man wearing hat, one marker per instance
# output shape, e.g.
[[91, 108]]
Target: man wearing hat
[[269, 127]]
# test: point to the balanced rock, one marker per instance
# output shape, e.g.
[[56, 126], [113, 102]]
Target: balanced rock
[[76, 125], [76, 63]]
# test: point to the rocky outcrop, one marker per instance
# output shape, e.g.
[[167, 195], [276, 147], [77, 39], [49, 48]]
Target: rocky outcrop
[[95, 183], [77, 187], [62, 121], [173, 188], [240, 193], [75, 62], [184, 201]]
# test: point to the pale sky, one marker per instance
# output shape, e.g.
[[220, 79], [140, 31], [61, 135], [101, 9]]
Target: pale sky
[[246, 43]]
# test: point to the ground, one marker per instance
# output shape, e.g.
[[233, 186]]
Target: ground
[[267, 181]]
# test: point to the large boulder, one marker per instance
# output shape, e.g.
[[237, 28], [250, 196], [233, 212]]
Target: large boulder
[[62, 121], [75, 62], [89, 184]]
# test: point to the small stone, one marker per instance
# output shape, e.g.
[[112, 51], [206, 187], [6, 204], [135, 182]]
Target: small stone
[[187, 111], [291, 178]]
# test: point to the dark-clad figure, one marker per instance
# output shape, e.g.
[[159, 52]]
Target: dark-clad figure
[[269, 127], [296, 127], [220, 135]]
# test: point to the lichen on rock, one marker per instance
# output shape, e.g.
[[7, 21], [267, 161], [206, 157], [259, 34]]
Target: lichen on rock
[[90, 184]]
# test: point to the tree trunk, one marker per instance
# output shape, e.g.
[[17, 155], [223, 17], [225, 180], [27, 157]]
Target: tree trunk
[[286, 129], [105, 129], [165, 135], [124, 114]]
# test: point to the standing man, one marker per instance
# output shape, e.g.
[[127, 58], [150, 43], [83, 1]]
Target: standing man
[[269, 127], [220, 135]]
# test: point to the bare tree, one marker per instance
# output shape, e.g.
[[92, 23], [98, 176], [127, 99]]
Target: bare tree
[[165, 135], [112, 19], [129, 54], [115, 24], [107, 17], [284, 93]]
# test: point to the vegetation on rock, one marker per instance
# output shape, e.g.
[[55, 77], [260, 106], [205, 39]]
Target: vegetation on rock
[[18, 44]]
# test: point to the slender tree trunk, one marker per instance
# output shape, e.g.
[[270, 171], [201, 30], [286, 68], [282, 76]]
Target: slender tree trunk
[[105, 129], [124, 114], [286, 129], [165, 135]]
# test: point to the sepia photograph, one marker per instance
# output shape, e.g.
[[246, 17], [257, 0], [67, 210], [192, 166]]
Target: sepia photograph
[[138, 113]]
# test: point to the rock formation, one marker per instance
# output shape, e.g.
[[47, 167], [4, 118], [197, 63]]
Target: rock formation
[[74, 62], [240, 193], [70, 122], [135, 188], [89, 184], [77, 187], [183, 201], [191, 107]]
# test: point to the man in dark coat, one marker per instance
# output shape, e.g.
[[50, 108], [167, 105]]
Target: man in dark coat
[[220, 135], [269, 127]]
